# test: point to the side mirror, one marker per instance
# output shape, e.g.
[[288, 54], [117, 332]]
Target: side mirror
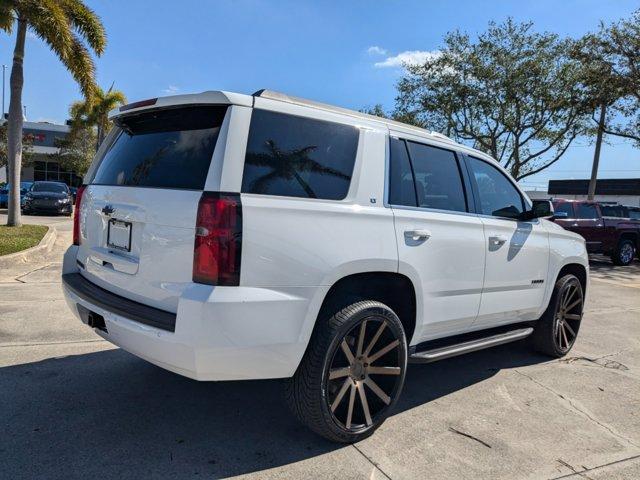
[[540, 209]]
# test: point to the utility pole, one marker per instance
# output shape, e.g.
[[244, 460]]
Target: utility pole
[[596, 153]]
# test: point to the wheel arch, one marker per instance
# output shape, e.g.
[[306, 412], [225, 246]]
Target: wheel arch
[[579, 271], [629, 235], [393, 289]]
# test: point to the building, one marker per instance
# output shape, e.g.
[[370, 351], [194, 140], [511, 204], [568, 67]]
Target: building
[[42, 166], [625, 191]]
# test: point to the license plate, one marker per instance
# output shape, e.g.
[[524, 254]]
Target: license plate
[[119, 235]]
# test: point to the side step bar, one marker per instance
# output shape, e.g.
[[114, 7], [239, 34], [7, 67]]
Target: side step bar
[[427, 356]]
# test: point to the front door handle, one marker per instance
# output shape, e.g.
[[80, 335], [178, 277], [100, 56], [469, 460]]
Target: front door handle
[[416, 235], [497, 240]]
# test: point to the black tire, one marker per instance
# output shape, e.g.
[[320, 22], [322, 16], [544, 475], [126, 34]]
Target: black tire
[[624, 253], [321, 402], [556, 331]]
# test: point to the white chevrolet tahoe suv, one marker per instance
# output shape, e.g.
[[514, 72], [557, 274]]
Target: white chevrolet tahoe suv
[[227, 237]]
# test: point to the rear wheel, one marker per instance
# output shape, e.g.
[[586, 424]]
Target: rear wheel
[[624, 253], [352, 373], [557, 330]]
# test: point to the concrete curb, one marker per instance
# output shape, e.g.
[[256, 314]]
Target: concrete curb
[[44, 247]]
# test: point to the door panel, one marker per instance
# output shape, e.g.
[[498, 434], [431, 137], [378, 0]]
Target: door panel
[[448, 267], [517, 251], [440, 244], [516, 269]]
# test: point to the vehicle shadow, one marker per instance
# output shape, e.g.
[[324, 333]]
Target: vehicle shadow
[[109, 414], [602, 268]]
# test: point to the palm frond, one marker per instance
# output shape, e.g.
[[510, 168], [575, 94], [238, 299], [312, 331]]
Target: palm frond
[[6, 15], [80, 65], [86, 23], [49, 22]]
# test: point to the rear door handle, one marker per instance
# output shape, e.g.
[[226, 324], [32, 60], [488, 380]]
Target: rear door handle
[[417, 234], [497, 240]]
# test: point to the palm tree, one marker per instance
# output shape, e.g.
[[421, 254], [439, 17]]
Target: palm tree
[[94, 112], [71, 30], [287, 165]]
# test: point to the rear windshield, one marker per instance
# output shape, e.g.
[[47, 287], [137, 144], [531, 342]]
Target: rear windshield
[[169, 148], [49, 187]]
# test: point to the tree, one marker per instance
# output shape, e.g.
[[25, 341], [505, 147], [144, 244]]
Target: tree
[[94, 112], [77, 150], [405, 117], [71, 30], [27, 143], [610, 76], [511, 93]]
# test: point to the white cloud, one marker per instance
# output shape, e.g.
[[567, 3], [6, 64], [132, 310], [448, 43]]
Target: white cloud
[[171, 90], [409, 57], [376, 50]]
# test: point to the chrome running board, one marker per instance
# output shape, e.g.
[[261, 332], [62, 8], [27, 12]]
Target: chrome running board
[[427, 356]]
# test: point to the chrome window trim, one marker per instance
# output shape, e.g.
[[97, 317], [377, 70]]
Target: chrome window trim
[[432, 210]]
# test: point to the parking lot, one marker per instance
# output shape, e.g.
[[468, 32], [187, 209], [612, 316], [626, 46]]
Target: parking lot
[[74, 406]]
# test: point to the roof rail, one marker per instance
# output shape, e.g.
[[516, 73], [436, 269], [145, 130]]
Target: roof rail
[[283, 97]]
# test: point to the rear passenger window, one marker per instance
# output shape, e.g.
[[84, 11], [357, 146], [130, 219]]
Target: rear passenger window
[[437, 178], [587, 211], [298, 157], [401, 188]]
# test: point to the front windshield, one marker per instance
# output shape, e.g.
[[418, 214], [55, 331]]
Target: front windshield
[[49, 187]]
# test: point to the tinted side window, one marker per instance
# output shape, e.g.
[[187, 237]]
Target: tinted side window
[[587, 211], [437, 178], [498, 196], [617, 211], [169, 148], [401, 188], [564, 209], [298, 157]]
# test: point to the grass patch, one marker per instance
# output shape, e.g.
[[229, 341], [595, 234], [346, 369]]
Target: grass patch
[[15, 239]]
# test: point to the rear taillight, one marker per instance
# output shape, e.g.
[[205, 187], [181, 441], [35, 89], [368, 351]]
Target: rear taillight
[[76, 215], [218, 244]]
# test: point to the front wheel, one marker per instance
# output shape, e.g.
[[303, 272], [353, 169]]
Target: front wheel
[[352, 372], [624, 253], [557, 330]]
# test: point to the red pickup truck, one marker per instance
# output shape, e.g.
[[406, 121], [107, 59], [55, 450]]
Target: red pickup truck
[[616, 237]]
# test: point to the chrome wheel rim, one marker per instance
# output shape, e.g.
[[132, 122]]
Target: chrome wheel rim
[[365, 374], [626, 253], [568, 316]]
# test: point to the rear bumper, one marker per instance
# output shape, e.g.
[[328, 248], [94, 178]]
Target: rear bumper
[[220, 333], [105, 300]]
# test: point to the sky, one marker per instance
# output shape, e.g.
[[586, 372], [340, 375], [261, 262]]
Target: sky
[[347, 53]]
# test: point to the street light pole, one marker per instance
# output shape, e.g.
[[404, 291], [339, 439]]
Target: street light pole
[[4, 67]]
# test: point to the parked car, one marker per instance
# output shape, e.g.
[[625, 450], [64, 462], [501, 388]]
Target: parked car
[[228, 237], [48, 198], [610, 235], [4, 193]]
